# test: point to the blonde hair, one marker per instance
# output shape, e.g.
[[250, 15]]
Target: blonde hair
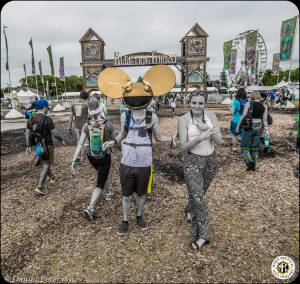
[[255, 95]]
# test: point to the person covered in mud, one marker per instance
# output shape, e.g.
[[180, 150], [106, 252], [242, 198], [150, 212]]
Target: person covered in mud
[[79, 114], [97, 130], [198, 133], [137, 126], [253, 121], [42, 127]]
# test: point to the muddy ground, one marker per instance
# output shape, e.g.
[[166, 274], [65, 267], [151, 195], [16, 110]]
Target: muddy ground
[[254, 217]]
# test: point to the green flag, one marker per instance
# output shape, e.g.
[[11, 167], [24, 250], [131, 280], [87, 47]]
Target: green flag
[[41, 71], [50, 59], [6, 45], [32, 57], [24, 66], [287, 37], [227, 54]]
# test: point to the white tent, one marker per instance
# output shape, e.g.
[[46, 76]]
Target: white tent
[[281, 84], [13, 114], [232, 89], [227, 101], [58, 107], [288, 105], [24, 97]]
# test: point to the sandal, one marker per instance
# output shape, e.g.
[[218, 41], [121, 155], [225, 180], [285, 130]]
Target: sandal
[[195, 246]]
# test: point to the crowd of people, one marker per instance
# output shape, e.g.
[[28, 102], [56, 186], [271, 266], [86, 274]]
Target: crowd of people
[[198, 132]]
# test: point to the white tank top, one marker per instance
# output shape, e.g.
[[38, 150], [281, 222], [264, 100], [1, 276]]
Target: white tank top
[[205, 147]]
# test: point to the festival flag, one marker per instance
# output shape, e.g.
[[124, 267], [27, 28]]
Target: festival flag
[[41, 71], [50, 59], [287, 36], [24, 66], [61, 69], [227, 54], [6, 45], [275, 64], [233, 62], [32, 57], [250, 49]]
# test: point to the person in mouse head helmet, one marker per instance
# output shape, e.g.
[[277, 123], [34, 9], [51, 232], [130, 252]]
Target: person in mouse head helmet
[[137, 126]]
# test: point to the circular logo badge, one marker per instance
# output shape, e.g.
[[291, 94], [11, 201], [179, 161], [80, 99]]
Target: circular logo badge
[[283, 267]]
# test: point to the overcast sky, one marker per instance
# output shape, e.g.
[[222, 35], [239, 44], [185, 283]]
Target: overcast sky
[[130, 27]]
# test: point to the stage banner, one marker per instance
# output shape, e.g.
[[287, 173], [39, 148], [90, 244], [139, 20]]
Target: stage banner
[[233, 62], [250, 49], [32, 57], [287, 36], [50, 59], [227, 54], [61, 69], [275, 64]]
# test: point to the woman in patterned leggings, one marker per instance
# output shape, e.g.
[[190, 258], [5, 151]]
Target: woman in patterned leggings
[[198, 134]]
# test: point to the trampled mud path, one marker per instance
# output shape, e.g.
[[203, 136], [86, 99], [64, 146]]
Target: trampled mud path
[[253, 218]]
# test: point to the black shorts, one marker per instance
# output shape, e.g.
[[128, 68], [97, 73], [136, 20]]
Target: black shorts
[[134, 179], [102, 166]]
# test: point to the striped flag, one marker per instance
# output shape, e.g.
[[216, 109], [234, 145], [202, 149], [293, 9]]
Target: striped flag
[[6, 65], [61, 69], [50, 59], [32, 57], [41, 71]]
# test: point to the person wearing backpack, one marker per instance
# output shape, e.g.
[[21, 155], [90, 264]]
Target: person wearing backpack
[[137, 126], [253, 120], [97, 130], [236, 108], [42, 127], [79, 115]]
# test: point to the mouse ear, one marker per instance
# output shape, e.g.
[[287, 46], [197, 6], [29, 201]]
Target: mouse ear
[[161, 79], [111, 82]]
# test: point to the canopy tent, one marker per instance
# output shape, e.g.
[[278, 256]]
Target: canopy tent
[[58, 107], [24, 97], [227, 101], [232, 89], [281, 84], [13, 114]]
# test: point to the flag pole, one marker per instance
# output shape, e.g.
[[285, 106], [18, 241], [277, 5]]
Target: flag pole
[[36, 83], [293, 48], [5, 27]]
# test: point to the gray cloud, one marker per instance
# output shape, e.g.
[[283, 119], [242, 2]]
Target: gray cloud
[[130, 27]]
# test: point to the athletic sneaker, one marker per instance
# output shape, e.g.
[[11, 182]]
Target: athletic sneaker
[[40, 190], [123, 228], [141, 223], [88, 214]]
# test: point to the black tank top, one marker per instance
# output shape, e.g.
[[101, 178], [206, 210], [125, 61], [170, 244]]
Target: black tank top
[[258, 110]]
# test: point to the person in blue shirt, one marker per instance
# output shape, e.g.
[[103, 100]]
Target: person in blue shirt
[[236, 109]]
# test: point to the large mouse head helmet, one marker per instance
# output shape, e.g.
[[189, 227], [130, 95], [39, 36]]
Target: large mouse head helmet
[[116, 84]]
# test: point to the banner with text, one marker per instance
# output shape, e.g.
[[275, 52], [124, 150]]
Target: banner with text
[[227, 54]]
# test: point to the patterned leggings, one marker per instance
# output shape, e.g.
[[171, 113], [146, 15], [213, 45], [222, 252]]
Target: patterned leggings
[[199, 172]]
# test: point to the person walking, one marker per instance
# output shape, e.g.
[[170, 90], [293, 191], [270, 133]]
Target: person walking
[[199, 132], [253, 120]]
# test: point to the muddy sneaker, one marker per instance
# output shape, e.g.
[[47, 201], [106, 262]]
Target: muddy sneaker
[[88, 214], [108, 196], [123, 228], [40, 190], [52, 181], [141, 223]]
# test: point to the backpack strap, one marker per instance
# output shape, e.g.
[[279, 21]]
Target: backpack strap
[[127, 120], [149, 122]]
